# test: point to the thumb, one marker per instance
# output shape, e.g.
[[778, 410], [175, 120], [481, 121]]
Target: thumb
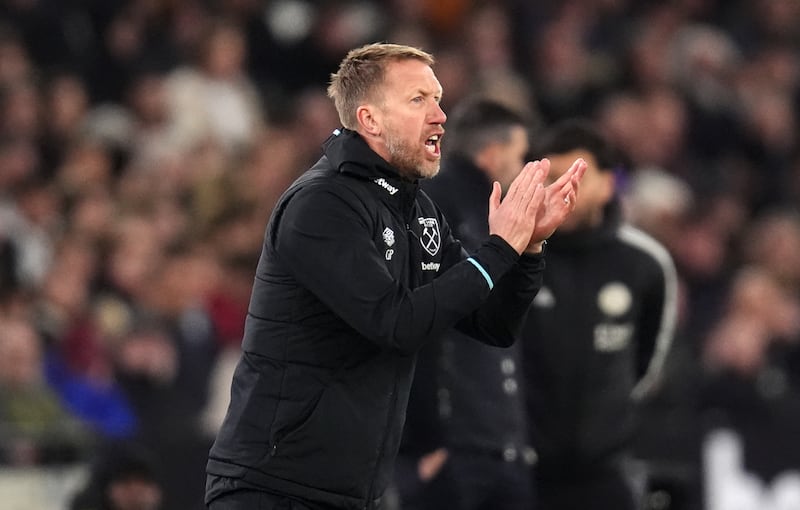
[[494, 198]]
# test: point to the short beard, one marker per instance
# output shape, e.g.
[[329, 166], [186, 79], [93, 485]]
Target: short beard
[[408, 164]]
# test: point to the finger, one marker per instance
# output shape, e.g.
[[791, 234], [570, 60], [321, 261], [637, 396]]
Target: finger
[[537, 199], [545, 165], [542, 168], [536, 178], [578, 168], [564, 197], [522, 181], [579, 173], [576, 179], [570, 199], [582, 166], [575, 174], [572, 194], [494, 198]]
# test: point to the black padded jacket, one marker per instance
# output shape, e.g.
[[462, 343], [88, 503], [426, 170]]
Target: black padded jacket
[[358, 270]]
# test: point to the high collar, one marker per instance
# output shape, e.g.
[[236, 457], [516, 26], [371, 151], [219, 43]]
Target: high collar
[[591, 237], [349, 153]]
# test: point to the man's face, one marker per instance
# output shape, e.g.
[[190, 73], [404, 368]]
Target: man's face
[[411, 119], [596, 189], [134, 493], [507, 158]]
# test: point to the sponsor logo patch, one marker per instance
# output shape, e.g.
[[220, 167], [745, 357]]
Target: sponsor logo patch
[[612, 337], [430, 239], [614, 299], [388, 236], [385, 185]]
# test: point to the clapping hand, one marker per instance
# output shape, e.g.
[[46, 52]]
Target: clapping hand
[[559, 201]]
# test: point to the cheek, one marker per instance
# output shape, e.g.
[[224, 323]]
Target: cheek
[[408, 126], [587, 198]]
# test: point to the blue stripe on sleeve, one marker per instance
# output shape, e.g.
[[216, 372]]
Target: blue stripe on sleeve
[[483, 272]]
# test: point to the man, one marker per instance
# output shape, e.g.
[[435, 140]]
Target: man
[[357, 272], [596, 336], [466, 404], [124, 477]]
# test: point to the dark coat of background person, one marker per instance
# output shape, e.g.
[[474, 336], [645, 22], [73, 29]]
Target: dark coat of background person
[[467, 396], [595, 341]]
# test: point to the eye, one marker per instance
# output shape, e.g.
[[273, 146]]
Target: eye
[[418, 99]]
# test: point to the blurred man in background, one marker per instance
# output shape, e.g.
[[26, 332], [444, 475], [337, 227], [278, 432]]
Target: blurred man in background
[[596, 336], [466, 439]]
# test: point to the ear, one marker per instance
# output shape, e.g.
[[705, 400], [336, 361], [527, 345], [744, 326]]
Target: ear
[[369, 119], [488, 160]]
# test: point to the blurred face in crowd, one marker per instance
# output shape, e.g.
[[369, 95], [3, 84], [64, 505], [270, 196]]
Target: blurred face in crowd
[[597, 189], [148, 354], [225, 52], [404, 121], [504, 160], [148, 99], [135, 256], [67, 102], [20, 355], [134, 493]]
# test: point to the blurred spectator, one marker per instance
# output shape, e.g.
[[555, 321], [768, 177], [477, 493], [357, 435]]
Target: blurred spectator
[[215, 100], [751, 383], [31, 222], [66, 103], [15, 63], [86, 164], [20, 162], [454, 71], [759, 312], [266, 171], [123, 477], [35, 427], [126, 41], [79, 363], [314, 118], [153, 135], [567, 76], [488, 39], [164, 361], [773, 242], [22, 110]]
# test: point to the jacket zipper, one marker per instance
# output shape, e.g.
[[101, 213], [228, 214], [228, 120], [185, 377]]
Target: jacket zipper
[[407, 210]]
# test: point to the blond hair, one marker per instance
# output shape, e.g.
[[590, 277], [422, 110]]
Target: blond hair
[[362, 71]]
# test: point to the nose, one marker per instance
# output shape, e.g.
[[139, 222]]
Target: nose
[[438, 115]]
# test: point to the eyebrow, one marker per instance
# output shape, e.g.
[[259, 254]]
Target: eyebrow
[[438, 93]]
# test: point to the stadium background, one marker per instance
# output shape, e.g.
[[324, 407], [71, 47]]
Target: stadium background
[[144, 142]]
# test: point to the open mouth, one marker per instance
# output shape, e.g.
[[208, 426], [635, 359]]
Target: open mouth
[[433, 144]]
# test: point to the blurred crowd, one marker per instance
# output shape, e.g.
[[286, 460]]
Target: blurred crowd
[[143, 144]]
